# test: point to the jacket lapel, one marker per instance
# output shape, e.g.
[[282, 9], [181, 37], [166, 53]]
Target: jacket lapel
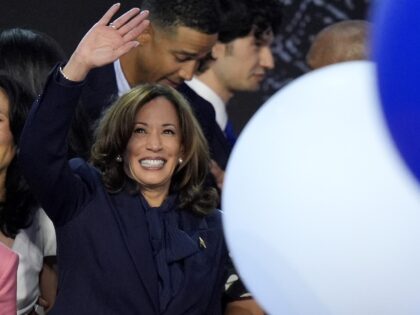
[[201, 269], [131, 219]]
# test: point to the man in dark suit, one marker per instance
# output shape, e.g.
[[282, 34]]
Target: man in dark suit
[[239, 61], [179, 35]]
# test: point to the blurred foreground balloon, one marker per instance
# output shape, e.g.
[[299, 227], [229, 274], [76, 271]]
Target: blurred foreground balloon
[[396, 48], [321, 214]]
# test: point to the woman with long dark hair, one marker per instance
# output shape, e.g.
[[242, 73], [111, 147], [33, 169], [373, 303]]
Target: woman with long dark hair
[[23, 226]]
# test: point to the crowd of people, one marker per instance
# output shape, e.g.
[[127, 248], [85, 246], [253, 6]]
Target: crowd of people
[[112, 167]]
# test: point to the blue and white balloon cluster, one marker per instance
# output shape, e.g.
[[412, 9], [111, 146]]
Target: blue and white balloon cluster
[[322, 193]]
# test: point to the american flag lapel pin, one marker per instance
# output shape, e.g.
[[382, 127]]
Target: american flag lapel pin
[[202, 243]]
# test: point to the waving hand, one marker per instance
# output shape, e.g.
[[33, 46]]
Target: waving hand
[[106, 41]]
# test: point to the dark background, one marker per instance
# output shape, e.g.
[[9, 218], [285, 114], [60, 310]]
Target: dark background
[[67, 21]]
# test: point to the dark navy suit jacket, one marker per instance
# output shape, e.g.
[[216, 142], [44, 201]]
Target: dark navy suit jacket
[[106, 265], [219, 146], [100, 90]]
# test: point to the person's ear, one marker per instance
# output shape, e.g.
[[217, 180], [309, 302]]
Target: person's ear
[[218, 50], [145, 37]]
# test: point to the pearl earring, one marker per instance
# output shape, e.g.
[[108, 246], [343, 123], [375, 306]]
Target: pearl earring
[[118, 158], [180, 160]]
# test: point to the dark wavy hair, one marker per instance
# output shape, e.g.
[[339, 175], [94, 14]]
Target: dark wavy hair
[[116, 127], [239, 17], [200, 15], [17, 210], [28, 56]]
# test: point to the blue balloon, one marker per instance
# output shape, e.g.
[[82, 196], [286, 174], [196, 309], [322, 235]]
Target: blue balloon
[[396, 49]]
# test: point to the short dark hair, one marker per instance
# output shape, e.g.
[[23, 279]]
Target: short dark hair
[[116, 127], [17, 210], [240, 17], [28, 56], [201, 15]]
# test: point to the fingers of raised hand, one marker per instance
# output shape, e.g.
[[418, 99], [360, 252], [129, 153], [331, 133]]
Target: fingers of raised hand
[[99, 46], [109, 14], [104, 44], [129, 25], [134, 27], [123, 19], [108, 45]]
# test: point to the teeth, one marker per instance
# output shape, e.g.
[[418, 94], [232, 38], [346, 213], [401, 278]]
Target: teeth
[[152, 163]]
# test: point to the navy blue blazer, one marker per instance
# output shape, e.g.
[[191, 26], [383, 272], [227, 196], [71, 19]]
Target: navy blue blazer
[[100, 91], [105, 257], [220, 148]]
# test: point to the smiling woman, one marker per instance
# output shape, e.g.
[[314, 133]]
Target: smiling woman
[[154, 149], [151, 138], [136, 221]]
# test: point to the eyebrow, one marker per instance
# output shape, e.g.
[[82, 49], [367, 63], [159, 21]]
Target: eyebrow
[[194, 56], [185, 53], [163, 125]]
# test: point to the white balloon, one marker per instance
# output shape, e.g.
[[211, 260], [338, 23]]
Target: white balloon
[[321, 215]]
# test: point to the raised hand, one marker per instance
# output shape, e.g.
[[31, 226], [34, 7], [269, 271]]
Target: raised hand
[[105, 42]]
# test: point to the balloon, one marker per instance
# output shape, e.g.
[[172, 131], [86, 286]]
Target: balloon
[[396, 48], [321, 214]]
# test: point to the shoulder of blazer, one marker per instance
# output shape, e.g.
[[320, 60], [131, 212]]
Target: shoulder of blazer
[[200, 106]]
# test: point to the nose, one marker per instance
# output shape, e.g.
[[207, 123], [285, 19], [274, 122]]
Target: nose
[[188, 69], [266, 58], [154, 142]]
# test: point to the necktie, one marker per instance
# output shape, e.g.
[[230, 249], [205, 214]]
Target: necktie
[[230, 133]]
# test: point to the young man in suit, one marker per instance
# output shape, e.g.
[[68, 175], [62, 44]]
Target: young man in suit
[[179, 35], [239, 61]]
